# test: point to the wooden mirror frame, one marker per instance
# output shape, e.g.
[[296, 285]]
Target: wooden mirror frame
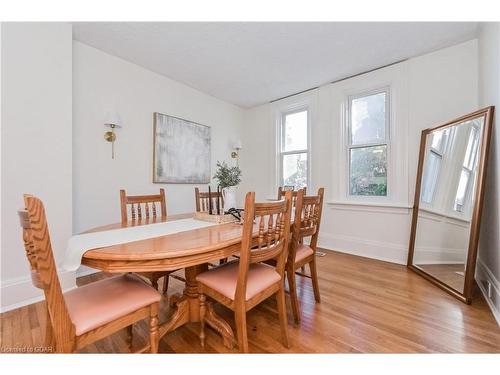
[[466, 295]]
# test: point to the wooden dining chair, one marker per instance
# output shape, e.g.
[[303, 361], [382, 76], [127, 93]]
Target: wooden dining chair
[[308, 210], [148, 213], [91, 312], [282, 191], [202, 200], [241, 285], [281, 194]]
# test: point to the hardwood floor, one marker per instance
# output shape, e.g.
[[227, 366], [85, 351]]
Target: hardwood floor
[[366, 306], [451, 274]]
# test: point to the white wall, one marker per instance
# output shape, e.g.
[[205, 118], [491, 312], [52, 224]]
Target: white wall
[[102, 83], [55, 95], [37, 109], [488, 269], [441, 239], [36, 142], [431, 89]]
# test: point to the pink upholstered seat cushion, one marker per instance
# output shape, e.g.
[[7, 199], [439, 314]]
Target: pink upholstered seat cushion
[[303, 251], [223, 279], [96, 304]]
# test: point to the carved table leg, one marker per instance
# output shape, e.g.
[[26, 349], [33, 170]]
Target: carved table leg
[[187, 309], [178, 318]]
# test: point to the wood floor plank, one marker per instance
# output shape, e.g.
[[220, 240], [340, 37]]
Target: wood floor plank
[[367, 306]]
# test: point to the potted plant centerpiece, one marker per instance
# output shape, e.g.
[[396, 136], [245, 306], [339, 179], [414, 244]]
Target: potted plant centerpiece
[[228, 178]]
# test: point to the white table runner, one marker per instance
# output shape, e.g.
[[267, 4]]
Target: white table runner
[[80, 243]]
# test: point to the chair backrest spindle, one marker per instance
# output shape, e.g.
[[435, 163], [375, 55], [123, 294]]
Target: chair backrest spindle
[[272, 223], [202, 200], [282, 191], [135, 203], [308, 211]]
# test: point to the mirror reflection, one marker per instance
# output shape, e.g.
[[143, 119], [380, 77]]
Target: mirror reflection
[[446, 205]]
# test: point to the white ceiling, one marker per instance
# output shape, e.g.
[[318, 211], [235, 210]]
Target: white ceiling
[[252, 63]]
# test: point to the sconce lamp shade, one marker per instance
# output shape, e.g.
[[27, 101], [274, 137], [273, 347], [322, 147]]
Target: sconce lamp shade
[[113, 121], [113, 118], [237, 145]]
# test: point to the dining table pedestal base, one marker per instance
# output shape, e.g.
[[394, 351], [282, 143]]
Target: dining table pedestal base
[[187, 309]]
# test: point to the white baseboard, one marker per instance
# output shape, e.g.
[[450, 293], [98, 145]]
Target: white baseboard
[[84, 271], [485, 277], [19, 292], [388, 252], [433, 255]]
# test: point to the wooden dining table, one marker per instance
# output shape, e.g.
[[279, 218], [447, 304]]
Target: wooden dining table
[[191, 250]]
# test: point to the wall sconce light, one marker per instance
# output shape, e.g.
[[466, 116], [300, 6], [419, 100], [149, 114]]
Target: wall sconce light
[[113, 121], [236, 151]]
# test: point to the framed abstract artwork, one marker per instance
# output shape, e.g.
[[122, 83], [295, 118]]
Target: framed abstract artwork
[[181, 151]]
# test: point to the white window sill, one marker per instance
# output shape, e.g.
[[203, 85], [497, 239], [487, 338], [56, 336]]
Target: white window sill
[[440, 215], [400, 208]]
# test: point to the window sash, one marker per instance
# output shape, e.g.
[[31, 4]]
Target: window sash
[[432, 184], [447, 133], [468, 167], [282, 127], [471, 154], [350, 171], [294, 152], [350, 99], [368, 145], [385, 142], [282, 159], [281, 146], [460, 207], [437, 152]]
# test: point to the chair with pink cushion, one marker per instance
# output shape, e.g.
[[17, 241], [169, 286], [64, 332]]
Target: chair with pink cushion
[[89, 313], [307, 221], [243, 284]]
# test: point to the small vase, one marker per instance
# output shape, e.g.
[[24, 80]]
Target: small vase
[[229, 195]]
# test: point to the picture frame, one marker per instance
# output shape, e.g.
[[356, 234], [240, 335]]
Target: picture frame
[[181, 150]]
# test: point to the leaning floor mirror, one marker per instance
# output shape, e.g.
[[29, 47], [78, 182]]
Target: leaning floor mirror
[[448, 201]]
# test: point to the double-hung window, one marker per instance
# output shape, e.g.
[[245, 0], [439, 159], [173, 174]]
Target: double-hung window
[[368, 143], [433, 165], [293, 148], [466, 180]]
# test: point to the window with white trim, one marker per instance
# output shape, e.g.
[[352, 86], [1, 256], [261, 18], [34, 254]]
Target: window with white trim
[[368, 143], [294, 149], [466, 181], [432, 169]]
